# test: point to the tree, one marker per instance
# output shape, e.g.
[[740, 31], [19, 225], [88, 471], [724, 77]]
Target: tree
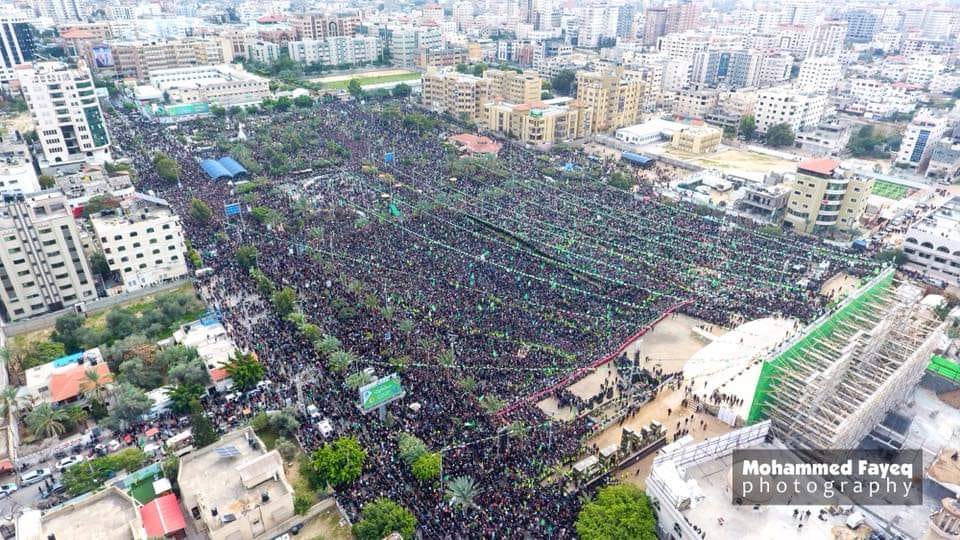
[[201, 427], [748, 127], [9, 402], [895, 256], [284, 423], [167, 167], [354, 88], [358, 379], [338, 463], [618, 511], [340, 360], [130, 403], [141, 374], [93, 384], [66, 330], [427, 467], [410, 448], [99, 264], [383, 517], [245, 371], [182, 396], [303, 101], [462, 491], [200, 211], [478, 69], [563, 82], [284, 301], [45, 421], [401, 90], [287, 449], [780, 135], [283, 104], [327, 345], [247, 256]]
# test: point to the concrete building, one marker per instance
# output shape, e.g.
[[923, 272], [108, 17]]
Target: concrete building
[[683, 46], [66, 112], [932, 244], [925, 129], [43, 266], [785, 105], [825, 198], [827, 139], [512, 87], [324, 25], [819, 75], [538, 122], [615, 95], [336, 50], [16, 166], [460, 95], [59, 10], [767, 200], [61, 382], [775, 68], [16, 44], [113, 513], [405, 43], [828, 39], [142, 241], [440, 57], [235, 489], [261, 51], [944, 161], [697, 139], [654, 25], [694, 103], [862, 25], [223, 85], [139, 58]]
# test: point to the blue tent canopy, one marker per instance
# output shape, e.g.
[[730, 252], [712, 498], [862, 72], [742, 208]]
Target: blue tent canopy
[[643, 161], [232, 166], [214, 169]]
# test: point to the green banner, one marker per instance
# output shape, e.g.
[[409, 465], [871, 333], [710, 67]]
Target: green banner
[[380, 392]]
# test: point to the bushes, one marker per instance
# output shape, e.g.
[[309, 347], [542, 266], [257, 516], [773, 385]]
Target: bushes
[[91, 475], [338, 463]]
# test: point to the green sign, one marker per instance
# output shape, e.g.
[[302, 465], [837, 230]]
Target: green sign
[[183, 109], [380, 392]]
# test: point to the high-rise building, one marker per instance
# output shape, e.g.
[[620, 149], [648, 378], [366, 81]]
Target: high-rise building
[[654, 25], [593, 26], [323, 25], [786, 105], [58, 10], [457, 94], [615, 95], [513, 87], [137, 59], [925, 129], [735, 69], [828, 38], [625, 29], [862, 25], [336, 50], [775, 68], [406, 43], [43, 267], [825, 197], [540, 122], [66, 112], [16, 44], [819, 75]]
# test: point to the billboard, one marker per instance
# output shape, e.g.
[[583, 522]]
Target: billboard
[[102, 56], [380, 392]]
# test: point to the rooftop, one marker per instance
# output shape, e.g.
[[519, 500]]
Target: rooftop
[[113, 511], [821, 166], [943, 222]]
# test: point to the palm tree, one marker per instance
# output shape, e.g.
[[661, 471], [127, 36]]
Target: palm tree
[[461, 491], [446, 358], [9, 402], [77, 416], [94, 384], [45, 421], [340, 360], [358, 379], [328, 345], [491, 403], [517, 430]]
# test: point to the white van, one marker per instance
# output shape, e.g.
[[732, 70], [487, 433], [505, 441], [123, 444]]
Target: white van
[[34, 476]]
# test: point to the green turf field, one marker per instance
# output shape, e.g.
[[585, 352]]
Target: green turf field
[[890, 190], [366, 81]]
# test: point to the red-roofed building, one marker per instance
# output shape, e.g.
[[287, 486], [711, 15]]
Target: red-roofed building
[[826, 199], [475, 144], [162, 518], [819, 166], [65, 380], [68, 385]]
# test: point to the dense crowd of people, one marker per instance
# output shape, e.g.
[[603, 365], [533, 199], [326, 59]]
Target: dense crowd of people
[[479, 280]]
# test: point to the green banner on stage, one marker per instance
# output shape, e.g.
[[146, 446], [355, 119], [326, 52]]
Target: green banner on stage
[[380, 392]]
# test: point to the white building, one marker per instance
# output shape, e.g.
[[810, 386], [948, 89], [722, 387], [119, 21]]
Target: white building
[[774, 69], [785, 105], [923, 131], [142, 241], [58, 10], [933, 243], [828, 38], [338, 50], [42, 265], [683, 46], [223, 85], [16, 43], [264, 52], [66, 112], [819, 75], [16, 166], [405, 43]]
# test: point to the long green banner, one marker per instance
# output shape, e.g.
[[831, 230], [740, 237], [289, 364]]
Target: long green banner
[[945, 368]]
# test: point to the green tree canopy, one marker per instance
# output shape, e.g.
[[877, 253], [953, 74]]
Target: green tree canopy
[[247, 256], [200, 211], [427, 467], [245, 371], [67, 331], [354, 88], [284, 301], [45, 421], [748, 127], [167, 167], [338, 463], [563, 82], [382, 517], [780, 135], [130, 403], [618, 511], [401, 90]]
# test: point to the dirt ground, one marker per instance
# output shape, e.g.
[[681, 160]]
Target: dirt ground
[[359, 75], [839, 286], [732, 160], [327, 525]]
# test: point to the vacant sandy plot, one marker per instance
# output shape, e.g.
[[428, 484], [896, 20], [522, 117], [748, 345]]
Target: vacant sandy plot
[[839, 286], [732, 160], [360, 75]]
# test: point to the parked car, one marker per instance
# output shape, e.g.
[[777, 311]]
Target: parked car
[[34, 476], [56, 489], [68, 462], [7, 489]]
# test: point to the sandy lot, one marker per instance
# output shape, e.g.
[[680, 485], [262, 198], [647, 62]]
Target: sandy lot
[[732, 160], [359, 75]]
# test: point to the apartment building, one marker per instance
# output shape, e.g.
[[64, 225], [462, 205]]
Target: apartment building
[[324, 25], [16, 165], [925, 129], [512, 87], [694, 103], [59, 10], [138, 59], [615, 95], [65, 111], [933, 243], [828, 39], [336, 50], [775, 68], [734, 69], [405, 43], [819, 75], [683, 46], [16, 44], [825, 198], [785, 105], [142, 240], [457, 94], [264, 52], [540, 123], [696, 139], [222, 85], [440, 57], [43, 266]]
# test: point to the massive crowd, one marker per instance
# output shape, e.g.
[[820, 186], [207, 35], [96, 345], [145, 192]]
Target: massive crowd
[[480, 280]]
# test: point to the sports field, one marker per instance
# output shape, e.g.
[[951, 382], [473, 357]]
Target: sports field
[[370, 79], [890, 190]]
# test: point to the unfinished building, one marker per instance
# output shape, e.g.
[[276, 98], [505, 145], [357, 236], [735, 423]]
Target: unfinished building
[[829, 386]]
